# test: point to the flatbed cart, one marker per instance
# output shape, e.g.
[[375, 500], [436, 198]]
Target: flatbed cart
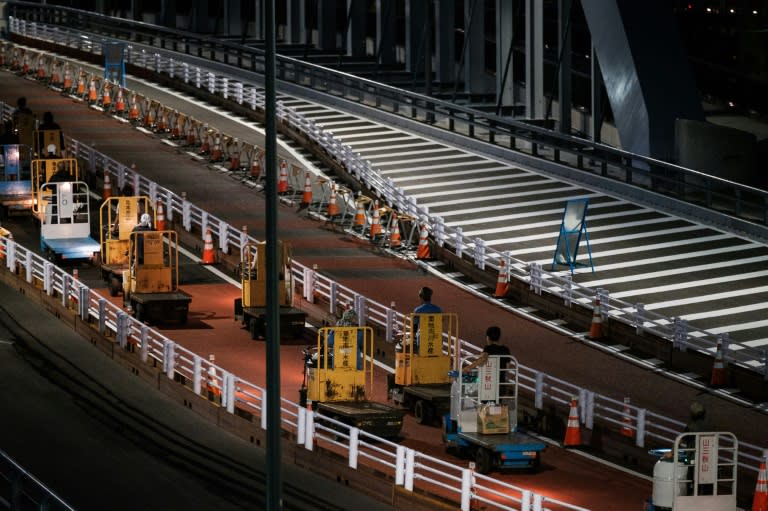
[[482, 423], [251, 307], [151, 285], [117, 218], [338, 379], [65, 231], [49, 170], [15, 181], [427, 352]]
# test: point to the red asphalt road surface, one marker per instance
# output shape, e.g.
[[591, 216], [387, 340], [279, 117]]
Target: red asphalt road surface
[[383, 278]]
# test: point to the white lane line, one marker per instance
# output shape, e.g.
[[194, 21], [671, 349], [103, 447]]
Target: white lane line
[[625, 237], [507, 197], [726, 312], [345, 137], [676, 271], [506, 206], [546, 212], [361, 145], [498, 185], [392, 147], [461, 170], [431, 152], [411, 171], [682, 302], [690, 284]]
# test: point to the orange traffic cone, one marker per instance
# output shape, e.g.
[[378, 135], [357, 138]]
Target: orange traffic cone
[[162, 123], [205, 144], [55, 76], [93, 94], [394, 237], [67, 86], [234, 161], [216, 154], [306, 197], [501, 283], [596, 328], [178, 127], [423, 251], [359, 222], [106, 97], [375, 221], [80, 87], [191, 134], [333, 209], [120, 103], [133, 112], [160, 217], [282, 182], [573, 430], [149, 117], [209, 257], [626, 421], [760, 500], [256, 165], [718, 368], [106, 192]]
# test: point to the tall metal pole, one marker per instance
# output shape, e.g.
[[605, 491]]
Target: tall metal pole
[[274, 479]]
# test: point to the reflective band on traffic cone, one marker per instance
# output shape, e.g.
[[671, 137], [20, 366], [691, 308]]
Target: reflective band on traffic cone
[[626, 421], [133, 112], [375, 220], [306, 197], [333, 209], [106, 192], [718, 368], [178, 128], [256, 165], [162, 123], [394, 238], [501, 282], [760, 500], [93, 94], [67, 80], [208, 257], [573, 430], [282, 182], [106, 97], [120, 102], [359, 222], [160, 217], [423, 251], [596, 328], [80, 86], [149, 118]]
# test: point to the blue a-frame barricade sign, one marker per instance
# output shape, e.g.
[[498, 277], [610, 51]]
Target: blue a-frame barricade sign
[[573, 229], [114, 62]]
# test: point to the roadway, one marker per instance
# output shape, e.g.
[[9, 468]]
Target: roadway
[[359, 266]]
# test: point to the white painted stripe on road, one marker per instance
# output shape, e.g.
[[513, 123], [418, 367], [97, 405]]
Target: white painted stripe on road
[[510, 173], [689, 284], [682, 302], [675, 271], [508, 205], [546, 212], [752, 307], [498, 185], [505, 206], [407, 162], [358, 144]]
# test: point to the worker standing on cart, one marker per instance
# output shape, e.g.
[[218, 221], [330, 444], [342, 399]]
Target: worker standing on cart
[[493, 346], [426, 307], [145, 224]]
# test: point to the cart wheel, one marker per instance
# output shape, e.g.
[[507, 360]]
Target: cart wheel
[[183, 317], [422, 411], [483, 460], [253, 328], [114, 286], [139, 312]]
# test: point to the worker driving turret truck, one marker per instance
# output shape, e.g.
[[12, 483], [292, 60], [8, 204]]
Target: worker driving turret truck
[[251, 307]]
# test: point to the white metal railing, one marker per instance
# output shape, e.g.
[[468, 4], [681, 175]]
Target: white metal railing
[[676, 330]]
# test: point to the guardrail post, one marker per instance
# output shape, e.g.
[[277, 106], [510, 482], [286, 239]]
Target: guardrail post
[[458, 238], [239, 93], [225, 87], [525, 500], [169, 358], [309, 430], [538, 502], [467, 480], [354, 447], [223, 241], [410, 465], [439, 231], [399, 465], [153, 192], [66, 284], [11, 254], [121, 169], [136, 181], [765, 365], [538, 398], [102, 316], [47, 277], [535, 277], [603, 295], [333, 292], [680, 334], [83, 296], [640, 431], [121, 329], [725, 341], [197, 374], [309, 284], [568, 290], [360, 310], [301, 424], [186, 215], [211, 79], [171, 67], [185, 72], [144, 339], [203, 222], [28, 267], [589, 409], [639, 318], [228, 383], [479, 253], [198, 77], [158, 63]]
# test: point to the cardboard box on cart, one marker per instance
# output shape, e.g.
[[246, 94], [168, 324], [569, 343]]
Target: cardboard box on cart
[[493, 418]]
